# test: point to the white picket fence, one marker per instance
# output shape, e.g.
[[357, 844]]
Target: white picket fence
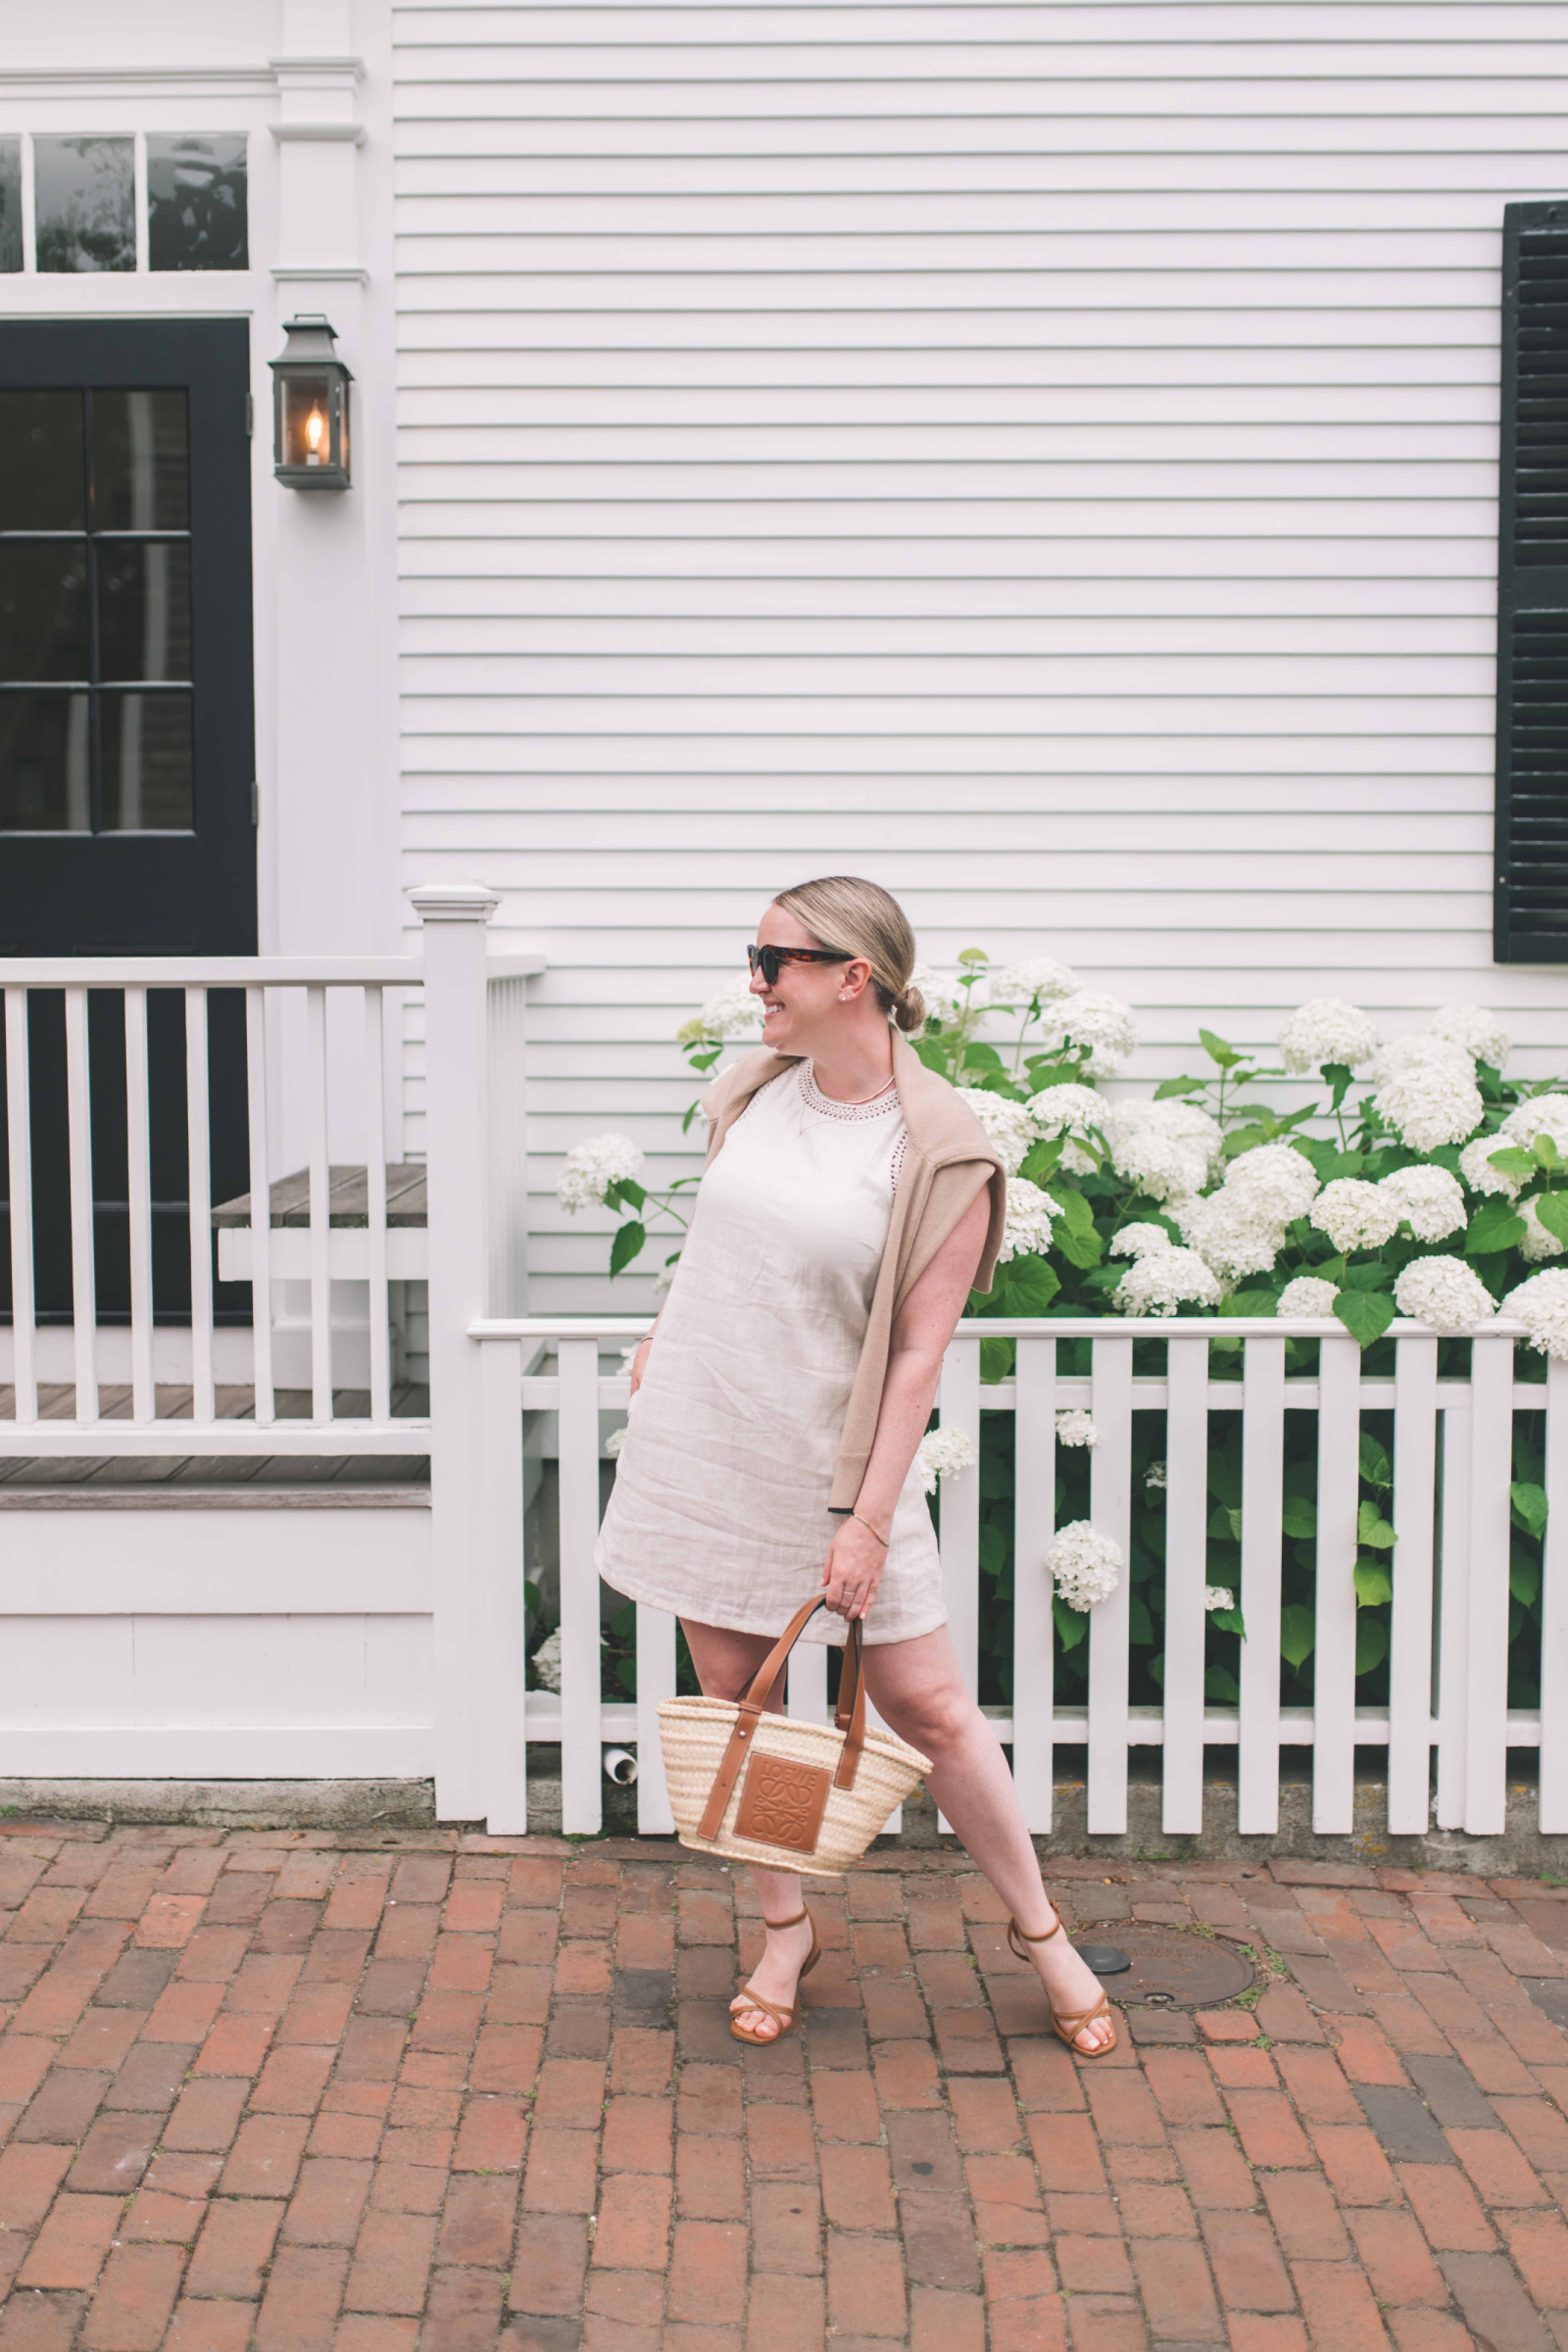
[[1450, 1634]]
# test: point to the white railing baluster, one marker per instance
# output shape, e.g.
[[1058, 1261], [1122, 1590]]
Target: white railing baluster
[[1110, 1509], [83, 1255], [1185, 1579], [1555, 1611], [261, 1204], [139, 1198], [1034, 1524], [1487, 1680], [1339, 1435], [1415, 1460], [204, 1394], [375, 1206], [805, 1685], [502, 1671], [1453, 1644], [1263, 1501], [581, 1804], [958, 1406], [321, 1209], [24, 1299], [655, 1679]]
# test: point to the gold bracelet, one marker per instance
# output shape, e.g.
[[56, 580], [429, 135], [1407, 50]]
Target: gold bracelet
[[881, 1539]]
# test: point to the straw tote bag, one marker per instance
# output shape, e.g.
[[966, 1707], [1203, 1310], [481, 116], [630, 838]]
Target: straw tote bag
[[761, 1788]]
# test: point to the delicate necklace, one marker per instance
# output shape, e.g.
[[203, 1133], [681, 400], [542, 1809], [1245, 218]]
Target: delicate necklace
[[843, 1103]]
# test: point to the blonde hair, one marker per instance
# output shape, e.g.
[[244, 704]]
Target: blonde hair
[[842, 911]]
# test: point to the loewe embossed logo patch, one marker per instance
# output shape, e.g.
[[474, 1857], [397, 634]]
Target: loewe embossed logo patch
[[782, 1803]]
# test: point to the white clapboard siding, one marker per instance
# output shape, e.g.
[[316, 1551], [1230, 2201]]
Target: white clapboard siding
[[1041, 457]]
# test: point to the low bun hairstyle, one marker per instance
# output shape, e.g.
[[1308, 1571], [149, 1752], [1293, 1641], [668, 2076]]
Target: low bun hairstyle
[[842, 911]]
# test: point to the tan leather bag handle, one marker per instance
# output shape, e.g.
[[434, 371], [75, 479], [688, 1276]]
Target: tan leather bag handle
[[850, 1716]]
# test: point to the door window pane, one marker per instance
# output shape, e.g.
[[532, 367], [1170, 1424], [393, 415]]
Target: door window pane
[[40, 462], [143, 609], [43, 610], [10, 204], [139, 462], [145, 750], [43, 763], [84, 191], [196, 203]]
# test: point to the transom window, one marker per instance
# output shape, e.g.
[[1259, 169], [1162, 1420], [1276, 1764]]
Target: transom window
[[85, 210], [95, 619]]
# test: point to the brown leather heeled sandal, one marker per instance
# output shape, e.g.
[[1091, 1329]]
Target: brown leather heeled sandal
[[1067, 2027], [755, 2000]]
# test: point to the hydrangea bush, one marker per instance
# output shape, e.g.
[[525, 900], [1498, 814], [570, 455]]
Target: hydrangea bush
[[1352, 1178]]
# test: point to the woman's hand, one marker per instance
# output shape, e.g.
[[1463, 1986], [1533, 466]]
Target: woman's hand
[[854, 1570], [639, 1363]]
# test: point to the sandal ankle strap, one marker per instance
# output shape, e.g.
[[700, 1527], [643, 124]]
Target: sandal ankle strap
[[786, 1922]]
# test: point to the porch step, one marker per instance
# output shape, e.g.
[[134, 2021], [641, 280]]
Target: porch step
[[347, 1198]]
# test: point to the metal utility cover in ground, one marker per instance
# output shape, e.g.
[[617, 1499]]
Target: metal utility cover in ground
[[1171, 1967]]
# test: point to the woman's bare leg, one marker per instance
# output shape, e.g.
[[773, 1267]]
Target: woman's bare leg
[[725, 1663], [919, 1688]]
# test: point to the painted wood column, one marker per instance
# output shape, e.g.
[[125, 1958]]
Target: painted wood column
[[455, 916]]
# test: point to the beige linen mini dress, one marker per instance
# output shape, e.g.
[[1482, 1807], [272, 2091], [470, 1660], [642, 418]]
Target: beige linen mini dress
[[719, 1510]]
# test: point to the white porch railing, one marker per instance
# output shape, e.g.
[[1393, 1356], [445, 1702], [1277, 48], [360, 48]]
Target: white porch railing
[[1448, 1652], [322, 1082]]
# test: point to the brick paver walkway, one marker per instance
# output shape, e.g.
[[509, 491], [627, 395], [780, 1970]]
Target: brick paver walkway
[[456, 2094]]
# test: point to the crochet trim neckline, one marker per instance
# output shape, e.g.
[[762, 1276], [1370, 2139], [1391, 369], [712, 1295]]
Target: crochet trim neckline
[[876, 1109]]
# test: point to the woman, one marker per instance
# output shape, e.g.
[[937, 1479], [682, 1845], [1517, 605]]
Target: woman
[[851, 1203]]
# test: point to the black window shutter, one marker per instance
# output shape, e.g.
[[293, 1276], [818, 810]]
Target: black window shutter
[[1531, 876]]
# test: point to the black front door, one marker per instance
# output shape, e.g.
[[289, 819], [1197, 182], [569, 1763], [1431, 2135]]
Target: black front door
[[127, 742]]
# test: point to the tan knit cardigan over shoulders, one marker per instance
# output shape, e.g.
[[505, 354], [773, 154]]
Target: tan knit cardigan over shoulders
[[947, 1159]]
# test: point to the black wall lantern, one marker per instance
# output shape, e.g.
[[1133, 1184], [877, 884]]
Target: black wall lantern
[[310, 409]]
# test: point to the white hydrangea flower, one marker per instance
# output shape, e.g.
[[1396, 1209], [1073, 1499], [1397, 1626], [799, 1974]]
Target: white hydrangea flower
[[1444, 1291], [1008, 1124], [1429, 1201], [943, 997], [1355, 1214], [1427, 1091], [1218, 1596], [1478, 1031], [1026, 1230], [593, 1167], [1274, 1181], [1056, 1109], [616, 1440], [1157, 1478], [1229, 1234], [1040, 976], [1538, 1243], [1307, 1295], [1167, 1279], [546, 1662], [1541, 1303], [1101, 1023], [1084, 1566], [1139, 1240], [943, 1453], [1076, 1429], [1167, 1149], [1326, 1029], [1475, 1166], [1542, 1114], [733, 1012]]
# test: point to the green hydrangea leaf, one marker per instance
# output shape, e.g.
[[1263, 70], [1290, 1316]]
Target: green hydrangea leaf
[[1298, 1633], [1494, 1226], [1374, 1463], [629, 1239], [1528, 1507], [1553, 1210], [1221, 1686], [1371, 1643], [1071, 1624], [1373, 1585], [1365, 1314], [1298, 1517], [996, 1360], [1372, 1528]]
